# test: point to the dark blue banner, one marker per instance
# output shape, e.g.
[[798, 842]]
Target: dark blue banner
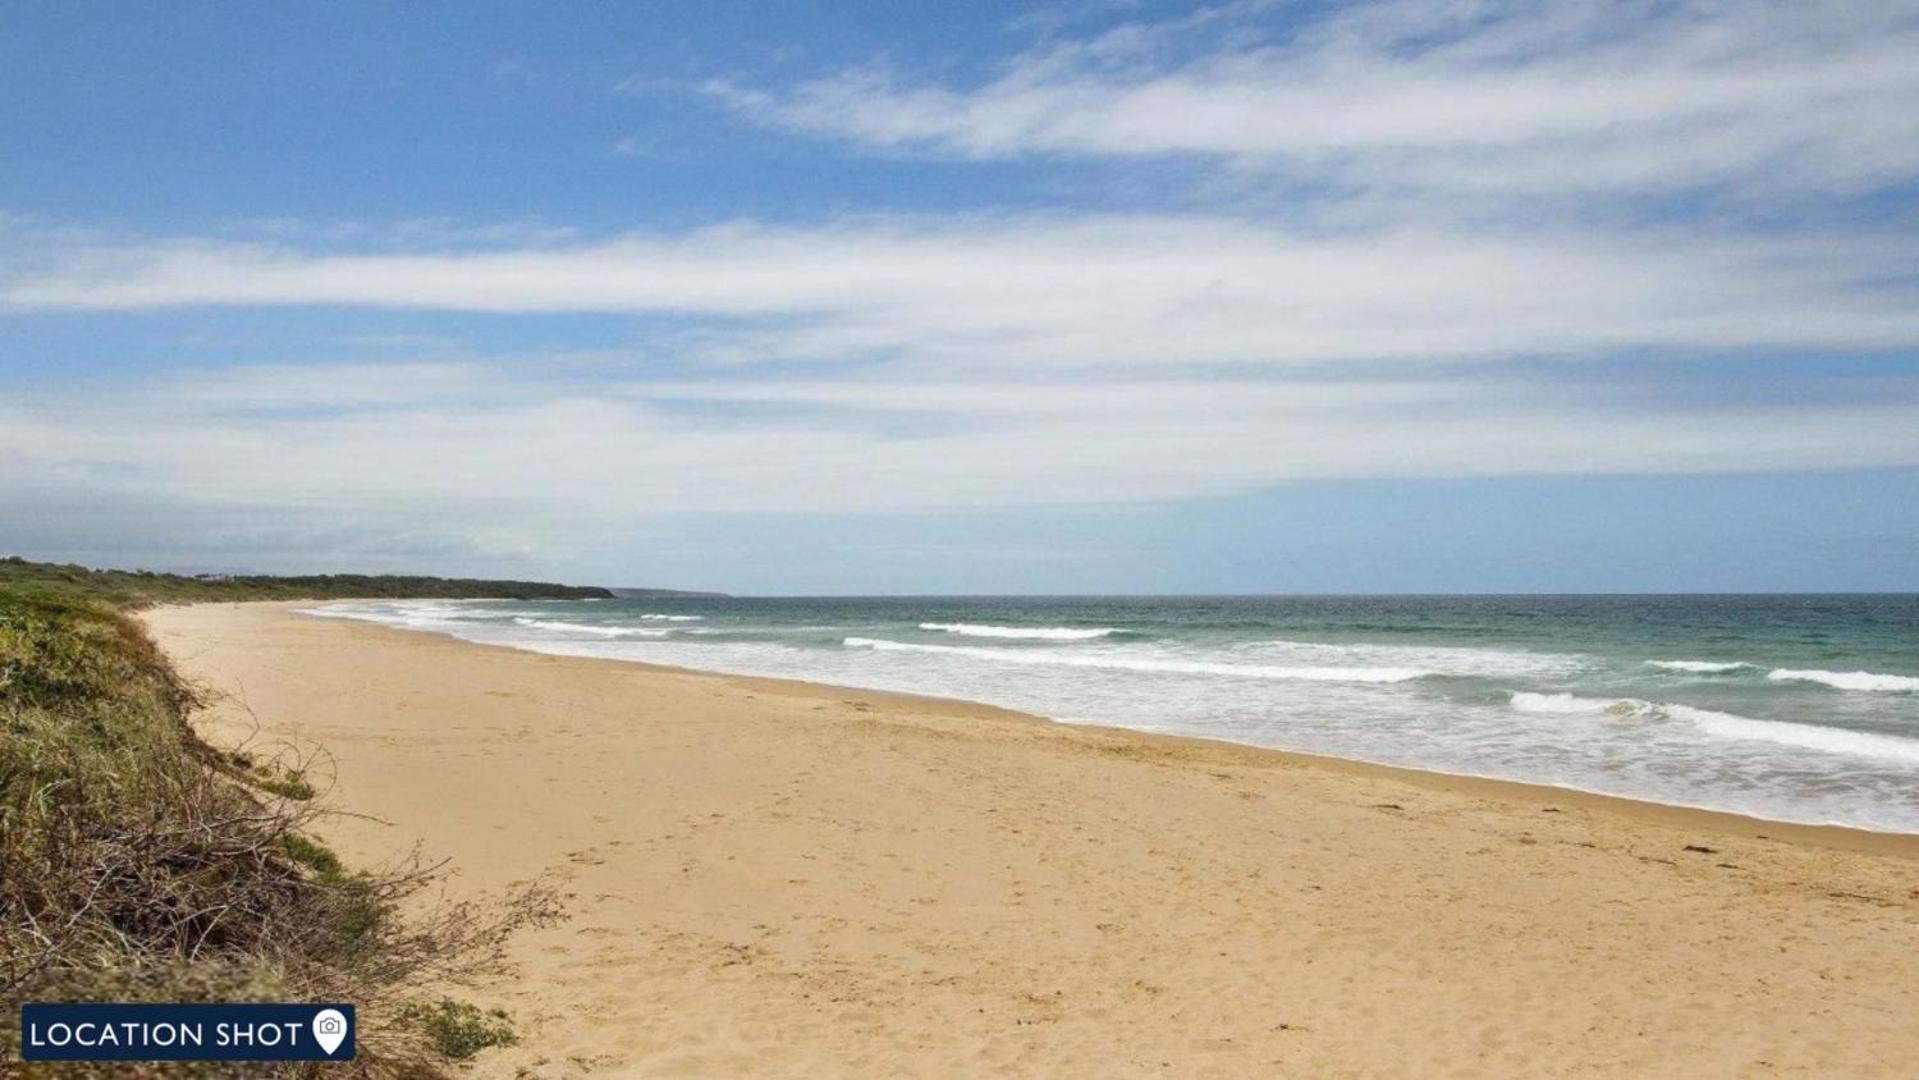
[[50, 1032]]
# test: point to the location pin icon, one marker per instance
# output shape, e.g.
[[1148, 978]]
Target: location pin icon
[[329, 1029]]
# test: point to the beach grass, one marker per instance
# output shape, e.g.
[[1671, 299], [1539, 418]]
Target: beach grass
[[138, 863]]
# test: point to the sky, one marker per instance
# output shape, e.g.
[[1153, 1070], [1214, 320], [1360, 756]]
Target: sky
[[1097, 296]]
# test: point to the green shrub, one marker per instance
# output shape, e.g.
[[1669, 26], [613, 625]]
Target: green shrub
[[313, 855], [459, 1029]]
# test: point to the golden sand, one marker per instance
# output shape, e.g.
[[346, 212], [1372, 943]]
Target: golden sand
[[779, 878]]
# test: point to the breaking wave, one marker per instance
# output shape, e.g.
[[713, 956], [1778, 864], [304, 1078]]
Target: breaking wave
[[1848, 680], [1148, 664], [1528, 702], [1828, 740], [1700, 667], [585, 628], [1025, 633]]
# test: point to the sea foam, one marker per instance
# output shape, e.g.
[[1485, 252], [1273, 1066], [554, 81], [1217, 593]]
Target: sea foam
[[1827, 739], [1848, 680], [1570, 704], [1031, 633], [1700, 667], [585, 628], [1148, 665], [1456, 660], [1728, 726]]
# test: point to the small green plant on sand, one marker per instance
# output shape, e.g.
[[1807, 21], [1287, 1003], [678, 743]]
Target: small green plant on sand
[[460, 1029], [313, 855]]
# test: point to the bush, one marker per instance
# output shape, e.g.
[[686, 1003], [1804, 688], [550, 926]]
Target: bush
[[460, 1030], [139, 864]]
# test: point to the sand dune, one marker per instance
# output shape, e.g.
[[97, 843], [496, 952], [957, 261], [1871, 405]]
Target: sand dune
[[784, 879]]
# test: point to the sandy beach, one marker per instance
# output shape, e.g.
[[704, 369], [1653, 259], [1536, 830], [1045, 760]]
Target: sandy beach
[[779, 878]]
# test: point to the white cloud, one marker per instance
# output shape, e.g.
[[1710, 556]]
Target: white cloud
[[1482, 99], [1112, 292], [501, 451]]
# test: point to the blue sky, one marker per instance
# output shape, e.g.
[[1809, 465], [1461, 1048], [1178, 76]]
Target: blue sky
[[1097, 296]]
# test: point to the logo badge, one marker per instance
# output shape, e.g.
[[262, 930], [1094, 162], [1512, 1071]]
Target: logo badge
[[329, 1029]]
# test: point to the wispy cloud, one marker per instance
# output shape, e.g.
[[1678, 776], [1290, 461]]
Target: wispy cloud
[[1495, 99], [1094, 292], [454, 442]]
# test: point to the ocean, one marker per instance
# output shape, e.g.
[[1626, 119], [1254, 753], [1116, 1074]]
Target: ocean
[[1791, 708]]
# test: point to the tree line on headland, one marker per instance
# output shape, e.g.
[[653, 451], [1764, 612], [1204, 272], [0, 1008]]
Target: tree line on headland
[[146, 586]]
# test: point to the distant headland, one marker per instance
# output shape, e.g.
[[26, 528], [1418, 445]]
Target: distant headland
[[147, 586]]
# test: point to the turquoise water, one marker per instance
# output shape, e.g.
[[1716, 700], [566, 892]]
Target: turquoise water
[[1796, 708]]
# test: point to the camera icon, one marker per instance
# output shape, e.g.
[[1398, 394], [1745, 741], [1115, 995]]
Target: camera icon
[[330, 1029]]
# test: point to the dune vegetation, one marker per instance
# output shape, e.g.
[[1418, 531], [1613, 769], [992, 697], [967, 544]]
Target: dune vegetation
[[139, 863]]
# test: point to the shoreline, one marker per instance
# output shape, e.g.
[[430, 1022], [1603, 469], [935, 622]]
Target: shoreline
[[1840, 837], [777, 877]]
